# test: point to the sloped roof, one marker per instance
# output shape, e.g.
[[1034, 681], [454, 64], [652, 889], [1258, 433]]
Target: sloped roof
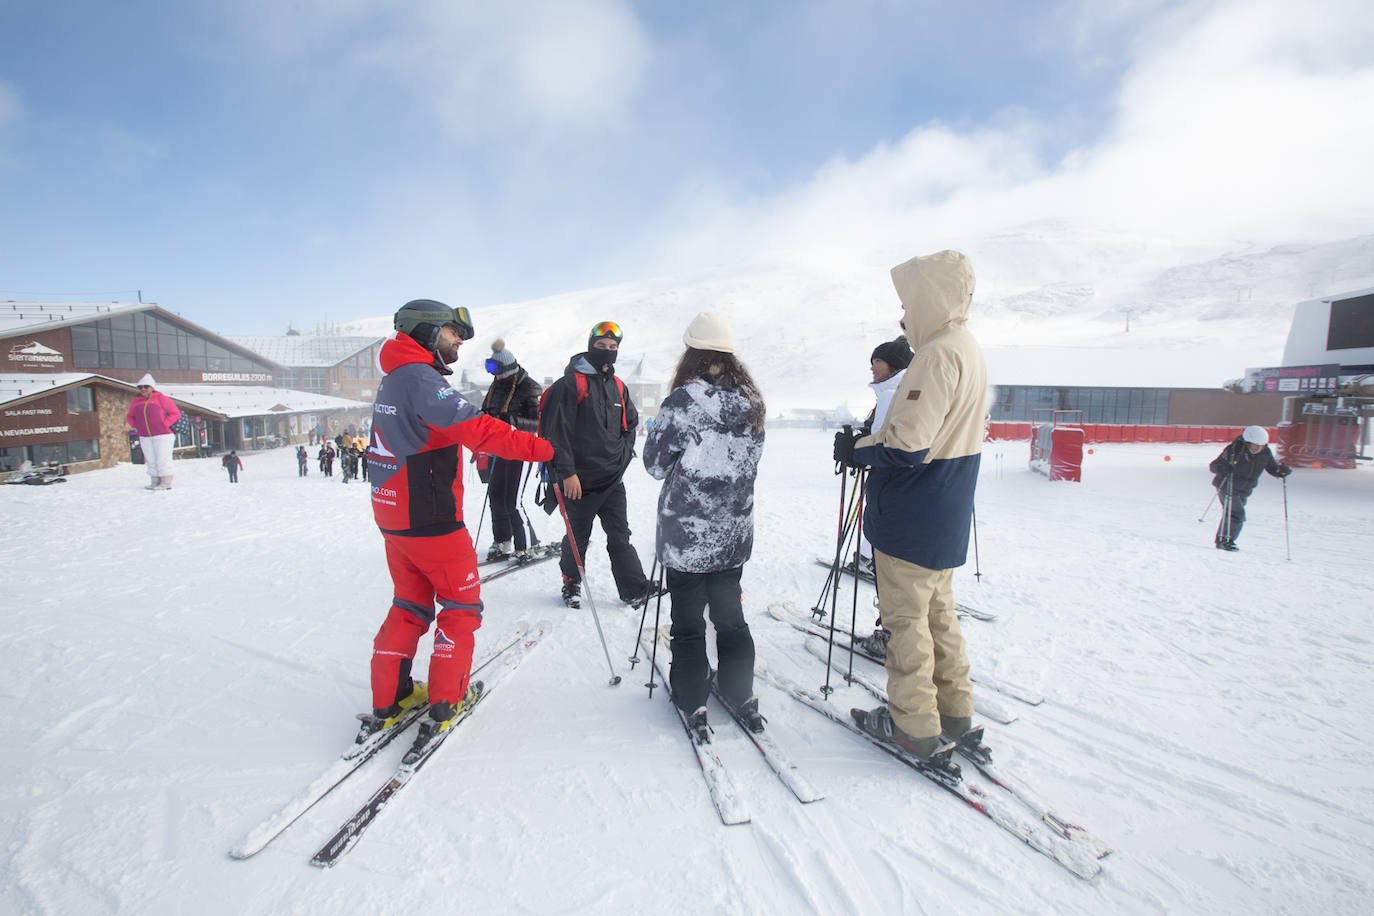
[[22, 387], [255, 400], [306, 351], [31, 317]]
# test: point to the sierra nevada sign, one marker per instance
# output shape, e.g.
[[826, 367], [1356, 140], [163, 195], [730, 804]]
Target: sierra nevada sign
[[34, 353]]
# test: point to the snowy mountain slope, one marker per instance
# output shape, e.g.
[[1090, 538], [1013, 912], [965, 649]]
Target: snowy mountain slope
[[1052, 308], [179, 664]]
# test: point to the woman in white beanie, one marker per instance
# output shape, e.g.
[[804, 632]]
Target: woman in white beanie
[[705, 445], [151, 416]]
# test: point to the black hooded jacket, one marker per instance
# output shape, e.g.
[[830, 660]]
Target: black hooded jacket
[[514, 400], [594, 439], [1244, 469]]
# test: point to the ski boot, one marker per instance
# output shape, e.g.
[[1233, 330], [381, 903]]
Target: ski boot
[[960, 730], [381, 719], [749, 714], [572, 592], [934, 752], [442, 717], [502, 551], [699, 727], [875, 644], [637, 601]]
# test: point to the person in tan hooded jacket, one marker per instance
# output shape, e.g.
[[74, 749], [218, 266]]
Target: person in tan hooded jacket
[[924, 467]]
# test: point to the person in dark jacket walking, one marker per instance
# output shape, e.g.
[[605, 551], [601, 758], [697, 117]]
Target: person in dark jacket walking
[[705, 445], [591, 421], [421, 424], [512, 398], [302, 461], [232, 463], [1235, 472]]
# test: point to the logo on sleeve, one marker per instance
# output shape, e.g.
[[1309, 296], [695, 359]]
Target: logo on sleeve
[[913, 395]]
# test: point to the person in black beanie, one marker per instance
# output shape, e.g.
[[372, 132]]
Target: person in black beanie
[[512, 398], [888, 366]]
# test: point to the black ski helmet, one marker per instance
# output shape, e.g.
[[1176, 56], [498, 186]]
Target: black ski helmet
[[422, 320]]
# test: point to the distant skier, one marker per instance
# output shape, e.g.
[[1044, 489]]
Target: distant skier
[[151, 416], [232, 463], [302, 461], [421, 426], [924, 462], [705, 447], [1236, 472], [512, 398]]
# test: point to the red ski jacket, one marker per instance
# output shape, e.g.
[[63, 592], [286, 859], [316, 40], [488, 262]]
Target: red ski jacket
[[419, 425]]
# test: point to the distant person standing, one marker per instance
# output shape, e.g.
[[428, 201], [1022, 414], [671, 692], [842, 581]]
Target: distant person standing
[[591, 421], [512, 398], [233, 464], [302, 461], [924, 469], [1236, 472], [151, 416]]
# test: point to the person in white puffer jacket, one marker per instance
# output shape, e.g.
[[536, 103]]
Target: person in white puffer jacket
[[888, 365]]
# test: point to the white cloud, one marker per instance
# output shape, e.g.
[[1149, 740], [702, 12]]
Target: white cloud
[[1235, 122]]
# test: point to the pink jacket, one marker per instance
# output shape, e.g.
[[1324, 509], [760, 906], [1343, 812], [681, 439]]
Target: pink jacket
[[153, 415]]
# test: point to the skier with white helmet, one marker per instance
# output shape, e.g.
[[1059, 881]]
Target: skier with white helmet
[[1237, 470]]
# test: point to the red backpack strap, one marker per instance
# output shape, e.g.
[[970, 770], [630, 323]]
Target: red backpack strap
[[624, 414]]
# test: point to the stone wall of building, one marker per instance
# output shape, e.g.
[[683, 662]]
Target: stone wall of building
[[112, 406]]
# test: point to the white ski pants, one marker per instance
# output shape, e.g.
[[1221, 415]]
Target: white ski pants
[[157, 454]]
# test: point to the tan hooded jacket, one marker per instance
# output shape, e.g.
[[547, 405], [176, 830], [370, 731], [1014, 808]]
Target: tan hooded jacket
[[925, 457]]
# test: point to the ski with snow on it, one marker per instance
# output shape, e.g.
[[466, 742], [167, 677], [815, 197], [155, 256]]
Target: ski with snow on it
[[778, 760], [980, 757], [500, 665], [1000, 807], [536, 556], [724, 794], [963, 610], [983, 704], [349, 762], [789, 615]]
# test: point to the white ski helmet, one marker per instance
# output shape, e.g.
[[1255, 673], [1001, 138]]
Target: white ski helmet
[[1255, 435]]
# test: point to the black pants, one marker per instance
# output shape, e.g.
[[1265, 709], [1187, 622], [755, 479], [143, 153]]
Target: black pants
[[720, 592], [608, 505], [1232, 514], [503, 492]]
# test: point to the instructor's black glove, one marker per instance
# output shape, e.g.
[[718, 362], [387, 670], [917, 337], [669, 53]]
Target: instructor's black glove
[[844, 446], [1284, 470]]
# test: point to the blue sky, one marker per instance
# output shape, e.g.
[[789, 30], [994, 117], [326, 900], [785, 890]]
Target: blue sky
[[253, 163]]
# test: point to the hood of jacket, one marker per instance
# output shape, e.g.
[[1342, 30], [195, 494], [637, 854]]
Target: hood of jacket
[[401, 350], [936, 291]]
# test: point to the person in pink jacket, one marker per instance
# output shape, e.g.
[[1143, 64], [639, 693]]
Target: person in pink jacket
[[151, 416]]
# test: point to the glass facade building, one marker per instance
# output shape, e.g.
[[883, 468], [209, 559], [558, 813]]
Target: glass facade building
[[1143, 406]]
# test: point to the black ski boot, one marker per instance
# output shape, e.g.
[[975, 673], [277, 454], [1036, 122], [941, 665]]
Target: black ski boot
[[934, 752], [749, 712], [698, 726], [572, 593], [960, 730], [638, 601]]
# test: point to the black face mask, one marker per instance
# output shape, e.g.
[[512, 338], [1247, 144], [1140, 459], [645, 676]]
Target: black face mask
[[601, 358]]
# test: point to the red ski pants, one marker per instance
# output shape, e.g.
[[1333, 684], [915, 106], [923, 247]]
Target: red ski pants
[[424, 570]]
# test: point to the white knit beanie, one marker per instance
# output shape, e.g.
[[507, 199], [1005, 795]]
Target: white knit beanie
[[710, 331], [146, 380], [1255, 435]]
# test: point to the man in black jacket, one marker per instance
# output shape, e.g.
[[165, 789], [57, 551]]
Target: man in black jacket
[[591, 421], [1237, 470]]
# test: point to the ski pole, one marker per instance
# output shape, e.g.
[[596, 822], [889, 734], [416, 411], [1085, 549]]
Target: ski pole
[[653, 576], [1287, 549], [1208, 509], [486, 498], [653, 650], [977, 567], [582, 574]]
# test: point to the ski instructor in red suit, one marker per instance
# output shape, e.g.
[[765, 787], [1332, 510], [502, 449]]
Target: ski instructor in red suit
[[420, 424]]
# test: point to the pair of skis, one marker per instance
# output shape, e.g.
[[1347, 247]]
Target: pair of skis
[[533, 557], [724, 793], [493, 669]]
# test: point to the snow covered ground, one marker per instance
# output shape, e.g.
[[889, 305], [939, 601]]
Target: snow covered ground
[[178, 664]]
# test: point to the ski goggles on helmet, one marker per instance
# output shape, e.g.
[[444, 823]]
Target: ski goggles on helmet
[[462, 322], [606, 329]]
